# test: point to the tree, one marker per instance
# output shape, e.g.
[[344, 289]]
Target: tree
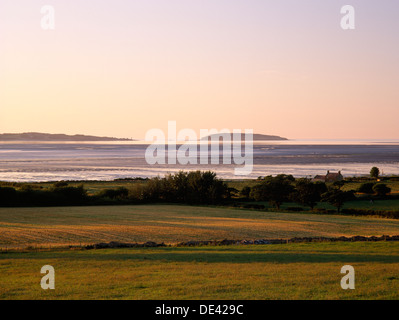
[[204, 187], [232, 192], [321, 187], [337, 197], [285, 177], [339, 184], [366, 188], [374, 172], [183, 187], [308, 193], [275, 190], [245, 192], [381, 189]]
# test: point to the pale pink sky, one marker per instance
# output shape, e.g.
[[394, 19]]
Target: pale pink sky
[[120, 68]]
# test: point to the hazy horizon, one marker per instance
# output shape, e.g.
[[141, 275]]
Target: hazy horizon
[[120, 68], [258, 133]]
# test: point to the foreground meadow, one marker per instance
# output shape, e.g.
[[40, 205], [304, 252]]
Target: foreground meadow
[[290, 271], [62, 226]]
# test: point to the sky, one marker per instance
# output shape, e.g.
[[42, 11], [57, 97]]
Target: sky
[[120, 68]]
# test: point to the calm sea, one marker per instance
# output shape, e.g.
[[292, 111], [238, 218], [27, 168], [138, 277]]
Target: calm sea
[[44, 161]]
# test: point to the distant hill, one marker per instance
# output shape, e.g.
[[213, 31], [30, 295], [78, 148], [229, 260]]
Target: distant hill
[[257, 137], [35, 136]]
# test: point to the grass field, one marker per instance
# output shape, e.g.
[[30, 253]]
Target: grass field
[[293, 271], [22, 227], [290, 271]]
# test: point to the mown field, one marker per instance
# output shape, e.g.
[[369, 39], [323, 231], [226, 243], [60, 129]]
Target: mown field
[[60, 226], [290, 271]]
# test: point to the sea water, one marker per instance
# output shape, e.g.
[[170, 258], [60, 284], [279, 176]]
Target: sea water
[[52, 161]]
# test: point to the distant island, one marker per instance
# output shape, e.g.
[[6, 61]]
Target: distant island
[[36, 136], [256, 137]]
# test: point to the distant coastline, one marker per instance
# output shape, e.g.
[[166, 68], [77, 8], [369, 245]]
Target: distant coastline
[[36, 136]]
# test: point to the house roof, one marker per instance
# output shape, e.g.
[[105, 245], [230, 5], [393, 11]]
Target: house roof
[[333, 175], [329, 176]]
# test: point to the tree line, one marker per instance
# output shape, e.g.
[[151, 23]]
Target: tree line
[[195, 187], [285, 188]]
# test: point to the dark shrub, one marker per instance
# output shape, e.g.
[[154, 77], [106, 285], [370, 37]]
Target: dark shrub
[[245, 192], [195, 187], [366, 188], [8, 196], [60, 184], [295, 209], [381, 189], [69, 195], [114, 194]]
